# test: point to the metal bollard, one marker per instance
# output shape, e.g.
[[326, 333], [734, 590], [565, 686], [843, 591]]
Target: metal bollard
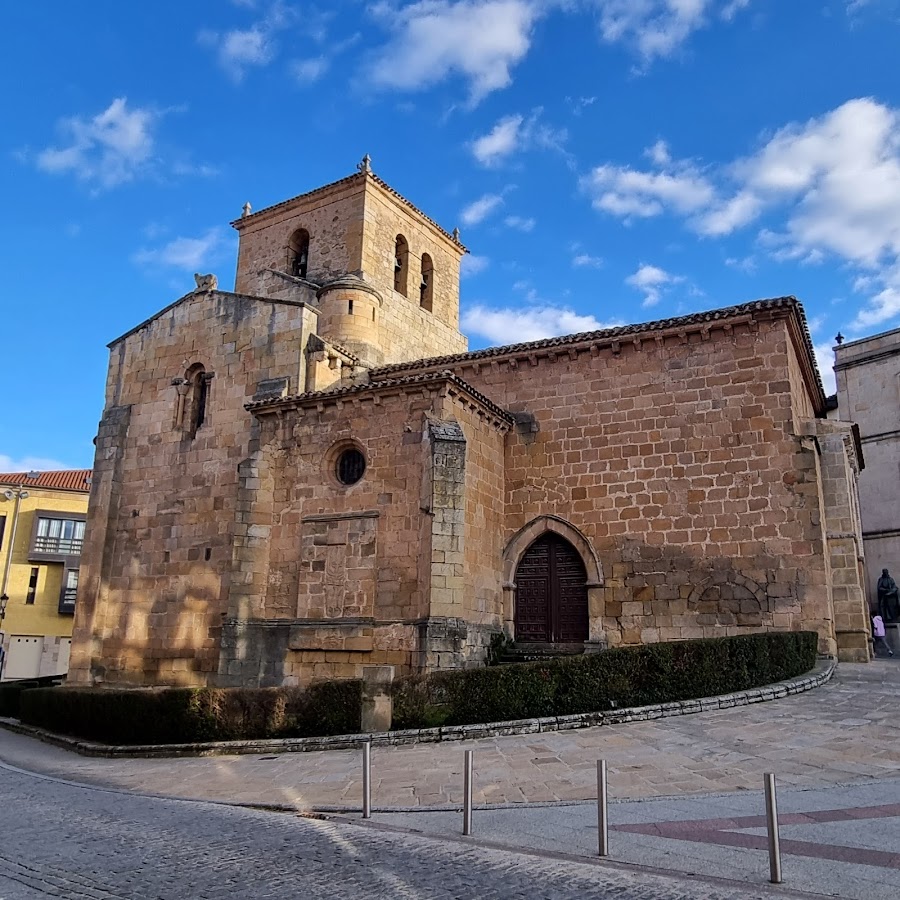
[[367, 781], [467, 792], [772, 829], [602, 816]]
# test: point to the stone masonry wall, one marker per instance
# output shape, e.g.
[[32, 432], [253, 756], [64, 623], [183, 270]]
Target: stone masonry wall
[[353, 227], [485, 520], [868, 391], [386, 217], [407, 331], [329, 578], [342, 562], [843, 538], [334, 219], [676, 456], [160, 522]]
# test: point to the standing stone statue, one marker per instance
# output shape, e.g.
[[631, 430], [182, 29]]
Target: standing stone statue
[[888, 597]]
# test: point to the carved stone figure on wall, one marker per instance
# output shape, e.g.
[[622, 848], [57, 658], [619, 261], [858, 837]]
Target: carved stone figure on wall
[[205, 283], [888, 598]]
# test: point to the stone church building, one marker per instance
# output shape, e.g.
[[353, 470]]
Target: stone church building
[[311, 474]]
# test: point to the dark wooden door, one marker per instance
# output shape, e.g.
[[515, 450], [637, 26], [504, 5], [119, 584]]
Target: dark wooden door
[[551, 594]]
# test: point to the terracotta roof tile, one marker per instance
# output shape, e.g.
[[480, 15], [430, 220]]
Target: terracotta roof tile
[[622, 331], [65, 480], [313, 397]]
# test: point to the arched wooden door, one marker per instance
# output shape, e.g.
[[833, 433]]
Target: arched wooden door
[[551, 594]]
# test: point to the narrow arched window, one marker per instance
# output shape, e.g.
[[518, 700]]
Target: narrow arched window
[[401, 265], [426, 287], [197, 379], [298, 253]]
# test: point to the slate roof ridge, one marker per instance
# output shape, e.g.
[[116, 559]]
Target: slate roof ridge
[[355, 176], [623, 331], [403, 381], [56, 480]]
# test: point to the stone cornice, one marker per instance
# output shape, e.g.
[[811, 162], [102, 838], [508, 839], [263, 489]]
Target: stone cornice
[[350, 283], [361, 179], [617, 339], [445, 383]]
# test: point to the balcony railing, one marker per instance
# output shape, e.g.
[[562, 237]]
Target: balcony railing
[[58, 545], [67, 600]]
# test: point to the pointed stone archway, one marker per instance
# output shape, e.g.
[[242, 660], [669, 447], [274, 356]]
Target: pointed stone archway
[[560, 595]]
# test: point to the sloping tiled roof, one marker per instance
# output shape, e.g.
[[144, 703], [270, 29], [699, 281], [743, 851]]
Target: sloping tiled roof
[[605, 334], [313, 397], [65, 480], [356, 176]]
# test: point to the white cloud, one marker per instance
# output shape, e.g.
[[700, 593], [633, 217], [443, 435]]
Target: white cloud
[[884, 304], [746, 264], [472, 265], [110, 149], [12, 464], [725, 217], [240, 49], [307, 71], [652, 281], [825, 362], [657, 28], [182, 252], [630, 193], [733, 8], [520, 223], [659, 153], [586, 261], [201, 170], [842, 172], [580, 104], [514, 326], [516, 134], [480, 40], [480, 209], [499, 142], [828, 187]]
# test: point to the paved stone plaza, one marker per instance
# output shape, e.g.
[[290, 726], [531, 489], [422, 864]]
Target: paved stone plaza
[[843, 732], [687, 800], [63, 841]]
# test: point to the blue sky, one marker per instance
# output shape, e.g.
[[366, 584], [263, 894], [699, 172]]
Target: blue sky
[[607, 161]]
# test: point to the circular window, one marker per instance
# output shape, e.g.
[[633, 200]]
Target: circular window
[[351, 465]]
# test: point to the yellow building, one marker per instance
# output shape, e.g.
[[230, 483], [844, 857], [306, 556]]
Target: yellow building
[[42, 517]]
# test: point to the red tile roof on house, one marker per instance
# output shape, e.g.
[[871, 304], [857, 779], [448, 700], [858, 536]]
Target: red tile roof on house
[[66, 480]]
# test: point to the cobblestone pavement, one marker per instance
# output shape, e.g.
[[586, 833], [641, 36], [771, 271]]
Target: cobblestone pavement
[[58, 840], [847, 731]]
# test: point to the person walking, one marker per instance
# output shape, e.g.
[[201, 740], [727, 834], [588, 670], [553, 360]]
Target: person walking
[[878, 632]]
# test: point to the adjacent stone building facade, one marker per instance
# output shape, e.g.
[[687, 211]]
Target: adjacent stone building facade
[[311, 474], [868, 394]]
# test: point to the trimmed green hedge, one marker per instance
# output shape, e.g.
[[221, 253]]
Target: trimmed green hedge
[[11, 691], [190, 715], [623, 677]]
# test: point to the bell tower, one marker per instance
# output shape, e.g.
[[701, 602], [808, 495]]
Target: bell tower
[[382, 275], [349, 313]]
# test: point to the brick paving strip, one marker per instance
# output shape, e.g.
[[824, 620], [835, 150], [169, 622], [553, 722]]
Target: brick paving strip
[[722, 832]]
